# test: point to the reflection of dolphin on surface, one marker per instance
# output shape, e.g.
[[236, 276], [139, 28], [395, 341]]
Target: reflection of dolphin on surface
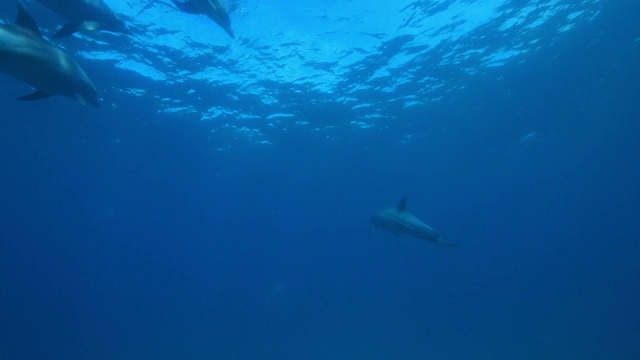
[[213, 9], [85, 15], [401, 222], [26, 56]]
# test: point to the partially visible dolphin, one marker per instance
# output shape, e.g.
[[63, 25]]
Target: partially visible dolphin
[[401, 222], [26, 56], [214, 9], [85, 15]]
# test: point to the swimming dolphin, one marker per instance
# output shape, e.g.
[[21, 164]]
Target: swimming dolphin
[[400, 221], [85, 15], [26, 56], [214, 9]]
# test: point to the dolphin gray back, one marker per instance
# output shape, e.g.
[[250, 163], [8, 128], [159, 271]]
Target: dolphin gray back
[[27, 56], [400, 221]]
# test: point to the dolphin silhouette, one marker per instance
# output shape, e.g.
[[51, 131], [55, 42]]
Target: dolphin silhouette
[[85, 15], [27, 56], [401, 222], [213, 9]]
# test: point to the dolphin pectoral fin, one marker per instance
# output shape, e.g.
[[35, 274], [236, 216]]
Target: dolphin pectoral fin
[[186, 6], [81, 100], [38, 95], [25, 20], [67, 30]]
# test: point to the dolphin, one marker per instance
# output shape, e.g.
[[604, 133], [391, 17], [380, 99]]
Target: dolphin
[[27, 56], [400, 221], [214, 9], [85, 15]]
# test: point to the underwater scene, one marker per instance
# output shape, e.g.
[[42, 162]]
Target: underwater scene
[[319, 179]]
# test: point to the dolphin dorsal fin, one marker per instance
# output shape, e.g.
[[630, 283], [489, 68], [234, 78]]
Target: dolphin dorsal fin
[[402, 205], [187, 7], [25, 20]]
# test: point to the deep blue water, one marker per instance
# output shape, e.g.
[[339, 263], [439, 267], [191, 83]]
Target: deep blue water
[[130, 232]]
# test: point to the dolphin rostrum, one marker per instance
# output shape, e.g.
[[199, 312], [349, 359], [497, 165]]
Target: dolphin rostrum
[[85, 15], [213, 9], [400, 222], [27, 56]]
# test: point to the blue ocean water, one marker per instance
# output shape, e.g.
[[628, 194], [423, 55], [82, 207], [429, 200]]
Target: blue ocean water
[[216, 206]]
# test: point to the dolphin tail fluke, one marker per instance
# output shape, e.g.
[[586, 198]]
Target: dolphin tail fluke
[[67, 30], [38, 95]]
